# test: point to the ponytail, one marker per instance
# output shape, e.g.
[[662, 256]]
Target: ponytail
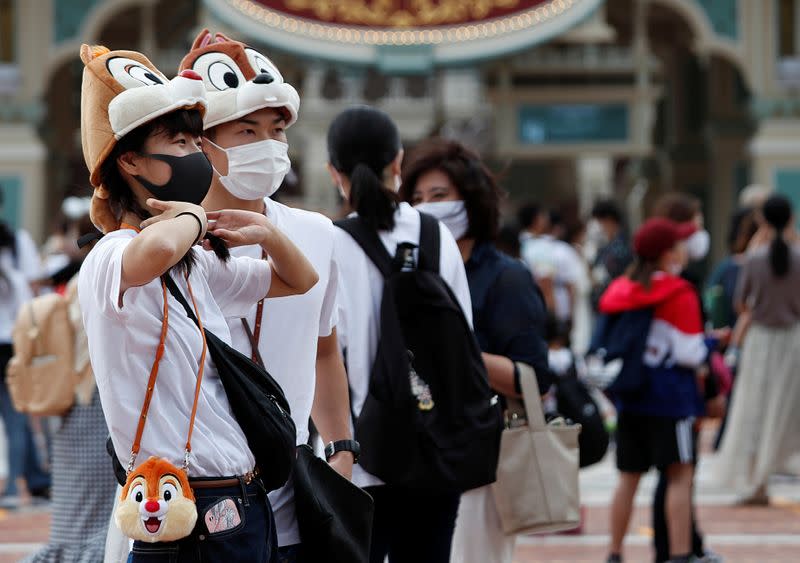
[[362, 143], [779, 256], [370, 198], [777, 212]]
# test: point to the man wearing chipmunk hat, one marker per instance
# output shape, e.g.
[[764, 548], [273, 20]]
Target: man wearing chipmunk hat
[[203, 498], [250, 108]]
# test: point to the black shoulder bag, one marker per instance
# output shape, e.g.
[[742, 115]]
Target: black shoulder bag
[[333, 514], [257, 402]]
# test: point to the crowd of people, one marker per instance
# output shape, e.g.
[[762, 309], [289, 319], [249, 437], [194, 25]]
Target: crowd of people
[[191, 271]]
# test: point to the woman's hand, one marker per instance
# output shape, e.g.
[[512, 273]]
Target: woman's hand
[[239, 228], [171, 209]]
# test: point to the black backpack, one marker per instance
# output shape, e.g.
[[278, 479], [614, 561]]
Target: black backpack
[[575, 402], [430, 420]]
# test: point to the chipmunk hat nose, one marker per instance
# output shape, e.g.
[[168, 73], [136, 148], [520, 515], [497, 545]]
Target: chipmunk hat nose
[[151, 506]]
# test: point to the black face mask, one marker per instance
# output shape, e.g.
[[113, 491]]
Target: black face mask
[[190, 180]]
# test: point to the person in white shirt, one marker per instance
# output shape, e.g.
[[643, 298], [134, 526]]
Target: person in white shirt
[[18, 267], [123, 305], [296, 336], [365, 156]]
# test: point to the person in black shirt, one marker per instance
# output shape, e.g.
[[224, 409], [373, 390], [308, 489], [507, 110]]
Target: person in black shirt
[[447, 180]]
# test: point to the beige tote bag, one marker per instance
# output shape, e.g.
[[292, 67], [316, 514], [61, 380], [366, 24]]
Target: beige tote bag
[[537, 475]]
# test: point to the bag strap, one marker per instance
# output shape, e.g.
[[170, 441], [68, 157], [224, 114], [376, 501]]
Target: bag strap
[[151, 383], [370, 243], [255, 335], [531, 397], [429, 243], [252, 337]]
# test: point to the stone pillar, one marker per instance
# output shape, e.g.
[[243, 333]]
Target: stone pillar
[[595, 177]]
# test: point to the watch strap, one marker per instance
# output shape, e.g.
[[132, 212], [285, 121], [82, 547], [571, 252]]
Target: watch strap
[[352, 446]]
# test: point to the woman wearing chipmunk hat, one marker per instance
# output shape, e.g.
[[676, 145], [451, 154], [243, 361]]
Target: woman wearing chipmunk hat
[[140, 134]]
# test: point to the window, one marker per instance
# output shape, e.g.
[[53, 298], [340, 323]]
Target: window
[[787, 12], [6, 31]]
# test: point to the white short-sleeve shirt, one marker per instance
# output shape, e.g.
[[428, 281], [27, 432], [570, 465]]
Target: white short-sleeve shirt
[[289, 332], [123, 337], [360, 291]]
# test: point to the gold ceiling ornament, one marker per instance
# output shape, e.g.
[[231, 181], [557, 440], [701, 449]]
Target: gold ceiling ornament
[[396, 13], [420, 27]]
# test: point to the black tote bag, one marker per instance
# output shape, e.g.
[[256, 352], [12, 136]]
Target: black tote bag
[[334, 515], [258, 404]]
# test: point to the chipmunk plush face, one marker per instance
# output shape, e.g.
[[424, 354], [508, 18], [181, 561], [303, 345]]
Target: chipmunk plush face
[[239, 80], [122, 90], [157, 503]]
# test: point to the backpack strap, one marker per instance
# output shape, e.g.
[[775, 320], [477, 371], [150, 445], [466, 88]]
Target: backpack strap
[[429, 243], [370, 243]]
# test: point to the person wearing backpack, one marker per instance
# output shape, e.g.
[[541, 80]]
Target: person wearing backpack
[[447, 180], [18, 259], [141, 142], [428, 423], [655, 424]]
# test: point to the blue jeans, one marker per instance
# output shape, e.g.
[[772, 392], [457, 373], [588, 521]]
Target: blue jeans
[[23, 459], [254, 539]]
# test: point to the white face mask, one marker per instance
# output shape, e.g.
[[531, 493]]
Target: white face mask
[[452, 213], [256, 171], [697, 245]]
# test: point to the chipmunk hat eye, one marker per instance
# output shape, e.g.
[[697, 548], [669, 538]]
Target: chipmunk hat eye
[[262, 65], [219, 71], [133, 74]]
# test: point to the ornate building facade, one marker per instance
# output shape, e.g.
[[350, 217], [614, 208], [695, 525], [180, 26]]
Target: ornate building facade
[[569, 99]]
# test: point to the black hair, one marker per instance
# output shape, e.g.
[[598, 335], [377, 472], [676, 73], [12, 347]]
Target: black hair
[[508, 240], [743, 227], [608, 209], [527, 214], [677, 206], [362, 142], [777, 212], [8, 240], [122, 197], [474, 182]]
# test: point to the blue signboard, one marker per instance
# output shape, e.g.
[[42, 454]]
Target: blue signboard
[[11, 200], [787, 182], [573, 123]]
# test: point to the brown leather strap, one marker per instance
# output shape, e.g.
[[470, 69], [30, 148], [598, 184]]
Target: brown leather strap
[[151, 383], [255, 335], [199, 373]]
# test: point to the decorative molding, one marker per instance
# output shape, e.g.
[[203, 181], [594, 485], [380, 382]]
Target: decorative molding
[[448, 44]]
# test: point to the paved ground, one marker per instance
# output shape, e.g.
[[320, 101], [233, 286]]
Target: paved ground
[[741, 534]]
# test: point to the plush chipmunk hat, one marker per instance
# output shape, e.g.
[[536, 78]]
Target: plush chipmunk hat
[[239, 80], [122, 90]]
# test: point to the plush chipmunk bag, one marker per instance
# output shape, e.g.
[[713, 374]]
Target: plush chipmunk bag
[[121, 91]]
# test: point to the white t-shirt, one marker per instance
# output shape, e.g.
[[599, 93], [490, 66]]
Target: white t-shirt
[[19, 265], [289, 332], [547, 257], [359, 301], [27, 258], [122, 346]]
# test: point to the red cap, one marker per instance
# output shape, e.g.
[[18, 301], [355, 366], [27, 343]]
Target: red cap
[[658, 235]]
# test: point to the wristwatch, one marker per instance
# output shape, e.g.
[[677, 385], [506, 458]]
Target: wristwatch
[[343, 446]]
